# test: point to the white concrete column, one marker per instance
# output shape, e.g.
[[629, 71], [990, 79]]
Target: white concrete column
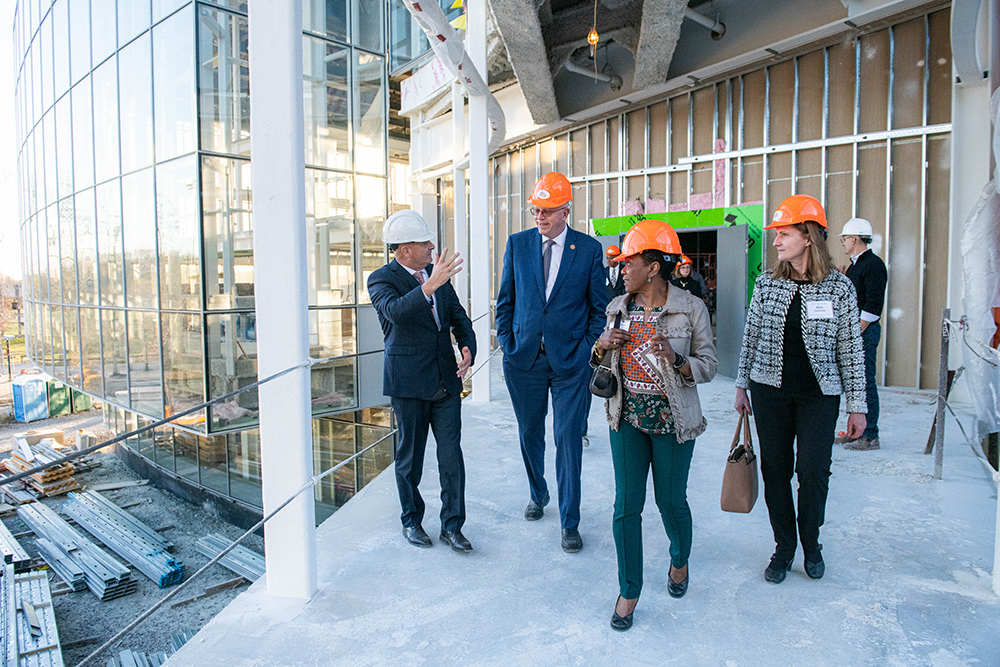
[[278, 173], [458, 178], [479, 206]]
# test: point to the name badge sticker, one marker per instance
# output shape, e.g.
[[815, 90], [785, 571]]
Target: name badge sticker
[[626, 323], [819, 310]]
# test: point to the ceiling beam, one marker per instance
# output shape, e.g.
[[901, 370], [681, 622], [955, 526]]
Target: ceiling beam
[[517, 21], [658, 35]]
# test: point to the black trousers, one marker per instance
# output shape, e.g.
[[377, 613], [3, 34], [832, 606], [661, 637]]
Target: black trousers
[[414, 416], [795, 432]]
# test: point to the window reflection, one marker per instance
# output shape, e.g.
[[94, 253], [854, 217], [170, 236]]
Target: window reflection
[[115, 359], [226, 204], [367, 20], [79, 43], [173, 86], [186, 454], [182, 366], [90, 346], [83, 135], [86, 247], [232, 363], [64, 148], [326, 17], [109, 244], [104, 35], [244, 466], [330, 226], [57, 357], [72, 338], [136, 104], [332, 334], [212, 463], [145, 387], [326, 103], [139, 232], [106, 153], [371, 217], [224, 85], [60, 46], [67, 250], [163, 447], [133, 18], [179, 234], [54, 259]]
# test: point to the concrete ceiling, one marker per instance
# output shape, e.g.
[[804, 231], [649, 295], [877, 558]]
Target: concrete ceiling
[[644, 42]]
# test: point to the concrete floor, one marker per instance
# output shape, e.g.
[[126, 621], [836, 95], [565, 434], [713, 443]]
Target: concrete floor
[[909, 563]]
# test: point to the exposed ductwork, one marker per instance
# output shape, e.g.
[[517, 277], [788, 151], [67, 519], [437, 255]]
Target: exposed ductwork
[[611, 78], [717, 27]]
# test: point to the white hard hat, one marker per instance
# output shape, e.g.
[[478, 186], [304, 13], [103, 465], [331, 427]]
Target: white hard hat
[[857, 227], [406, 226]]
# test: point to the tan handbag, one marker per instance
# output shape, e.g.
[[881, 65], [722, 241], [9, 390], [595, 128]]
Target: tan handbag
[[739, 482]]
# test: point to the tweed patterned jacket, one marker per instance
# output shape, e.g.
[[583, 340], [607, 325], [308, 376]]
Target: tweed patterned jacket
[[833, 345]]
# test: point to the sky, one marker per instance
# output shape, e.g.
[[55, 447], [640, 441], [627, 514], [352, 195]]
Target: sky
[[10, 254]]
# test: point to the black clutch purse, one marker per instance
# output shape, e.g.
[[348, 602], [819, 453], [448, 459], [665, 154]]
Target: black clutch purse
[[602, 380]]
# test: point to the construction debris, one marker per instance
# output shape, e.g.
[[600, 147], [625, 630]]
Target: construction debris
[[128, 537], [68, 553], [27, 620], [53, 481], [212, 590], [129, 658], [12, 551], [240, 560], [114, 486]]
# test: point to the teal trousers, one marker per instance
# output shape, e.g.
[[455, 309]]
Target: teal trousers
[[634, 453]]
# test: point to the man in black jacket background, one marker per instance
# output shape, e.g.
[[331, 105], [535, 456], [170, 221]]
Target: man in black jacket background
[[868, 273]]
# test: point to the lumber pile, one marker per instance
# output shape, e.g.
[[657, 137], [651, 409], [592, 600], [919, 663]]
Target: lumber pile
[[52, 481]]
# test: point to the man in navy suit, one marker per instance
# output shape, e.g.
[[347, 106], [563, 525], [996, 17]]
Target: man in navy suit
[[419, 311], [550, 311]]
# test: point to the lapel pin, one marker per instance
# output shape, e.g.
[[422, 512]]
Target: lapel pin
[[572, 247]]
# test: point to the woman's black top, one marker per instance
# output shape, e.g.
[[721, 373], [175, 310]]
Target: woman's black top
[[796, 373], [689, 284]]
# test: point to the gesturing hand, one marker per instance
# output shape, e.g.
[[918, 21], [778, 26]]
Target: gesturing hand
[[445, 266], [463, 365]]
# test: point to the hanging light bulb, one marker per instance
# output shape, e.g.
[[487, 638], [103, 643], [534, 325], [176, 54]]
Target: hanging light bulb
[[592, 38]]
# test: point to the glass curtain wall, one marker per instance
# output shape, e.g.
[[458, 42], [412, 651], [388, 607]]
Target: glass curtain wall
[[133, 122], [802, 125]]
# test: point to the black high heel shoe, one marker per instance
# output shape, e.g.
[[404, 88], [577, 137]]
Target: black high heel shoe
[[677, 589], [621, 623]]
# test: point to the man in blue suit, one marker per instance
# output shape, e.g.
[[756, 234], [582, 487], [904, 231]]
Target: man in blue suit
[[419, 311], [550, 311]]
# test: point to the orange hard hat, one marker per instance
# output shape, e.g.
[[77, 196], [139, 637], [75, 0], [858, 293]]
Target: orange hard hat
[[685, 260], [798, 209], [613, 251], [650, 235], [551, 191]]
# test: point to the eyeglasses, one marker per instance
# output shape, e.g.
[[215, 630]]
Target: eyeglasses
[[544, 212]]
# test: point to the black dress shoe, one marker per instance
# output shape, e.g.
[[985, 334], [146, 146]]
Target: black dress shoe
[[776, 570], [677, 589], [815, 567], [456, 540], [416, 536], [534, 511], [621, 623], [571, 540]]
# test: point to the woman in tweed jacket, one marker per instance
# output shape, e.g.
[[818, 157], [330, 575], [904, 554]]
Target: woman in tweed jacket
[[801, 349]]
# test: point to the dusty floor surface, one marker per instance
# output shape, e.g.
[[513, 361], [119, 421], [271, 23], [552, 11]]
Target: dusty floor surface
[[82, 615]]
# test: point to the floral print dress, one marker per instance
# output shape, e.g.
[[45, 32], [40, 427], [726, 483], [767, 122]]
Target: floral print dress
[[643, 398]]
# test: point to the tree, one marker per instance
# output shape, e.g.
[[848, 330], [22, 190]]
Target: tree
[[10, 299]]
